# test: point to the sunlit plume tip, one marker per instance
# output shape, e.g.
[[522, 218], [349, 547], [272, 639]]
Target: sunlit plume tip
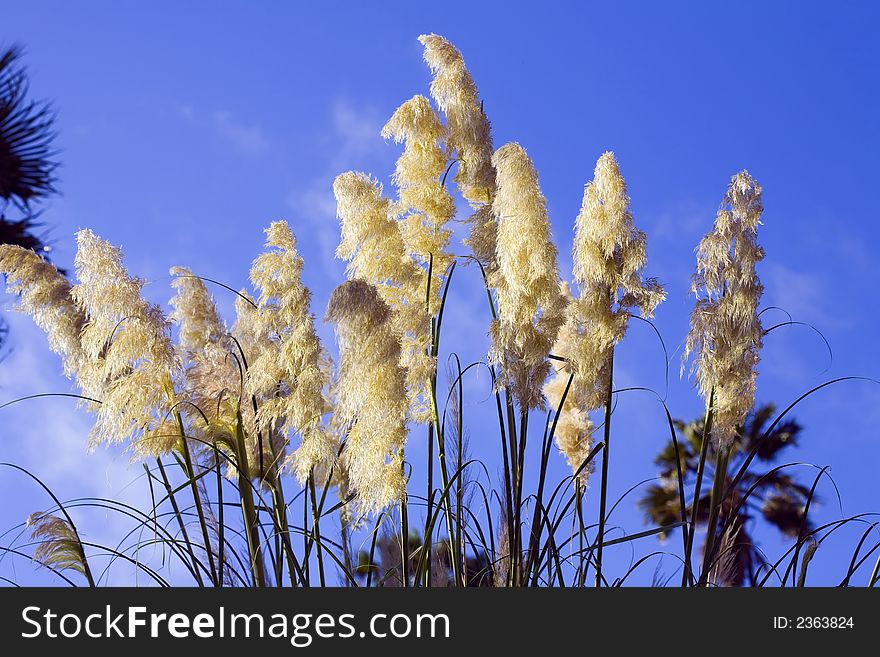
[[45, 295], [609, 258], [726, 333], [425, 208], [288, 377], [530, 302], [470, 139], [129, 361]]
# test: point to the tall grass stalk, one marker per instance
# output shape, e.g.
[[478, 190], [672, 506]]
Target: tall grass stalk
[[196, 564], [248, 509], [190, 473], [687, 574], [715, 500], [316, 529], [603, 484]]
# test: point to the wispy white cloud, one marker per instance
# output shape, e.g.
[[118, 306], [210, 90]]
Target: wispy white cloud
[[853, 250], [357, 130], [49, 437], [315, 207], [248, 138], [354, 143], [805, 295], [686, 219], [186, 110]]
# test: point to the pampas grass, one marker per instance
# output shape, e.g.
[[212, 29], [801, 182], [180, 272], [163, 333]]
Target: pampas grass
[[265, 458]]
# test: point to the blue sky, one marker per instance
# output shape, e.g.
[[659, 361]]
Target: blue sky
[[185, 128]]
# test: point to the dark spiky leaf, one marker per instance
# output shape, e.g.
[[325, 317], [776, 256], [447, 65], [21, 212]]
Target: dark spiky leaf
[[777, 481], [785, 512], [693, 434], [21, 233], [667, 457], [758, 420], [27, 168], [783, 436], [660, 504]]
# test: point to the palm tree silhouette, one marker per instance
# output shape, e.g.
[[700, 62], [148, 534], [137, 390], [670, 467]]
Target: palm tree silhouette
[[777, 498], [27, 167]]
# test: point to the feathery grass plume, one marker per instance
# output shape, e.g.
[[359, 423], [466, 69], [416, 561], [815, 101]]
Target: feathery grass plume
[[469, 132], [213, 389], [470, 136], [45, 296], [250, 339], [726, 333], [194, 312], [609, 259], [249, 342], [129, 362], [59, 546], [574, 429], [212, 381], [530, 300], [290, 378], [425, 204], [427, 208], [372, 242], [370, 394]]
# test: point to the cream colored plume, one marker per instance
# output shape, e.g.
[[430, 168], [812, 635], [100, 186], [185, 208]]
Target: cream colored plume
[[129, 362], [370, 394], [290, 377], [58, 545], [469, 132], [213, 370], [530, 302], [426, 209], [251, 342], [45, 296], [470, 138], [726, 334], [609, 259], [574, 429], [424, 204], [194, 312], [372, 242]]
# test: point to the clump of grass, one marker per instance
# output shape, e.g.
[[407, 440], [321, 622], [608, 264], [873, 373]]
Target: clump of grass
[[224, 418]]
